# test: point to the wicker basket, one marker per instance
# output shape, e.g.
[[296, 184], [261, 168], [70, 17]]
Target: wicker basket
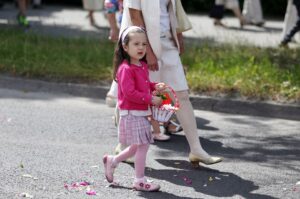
[[164, 112]]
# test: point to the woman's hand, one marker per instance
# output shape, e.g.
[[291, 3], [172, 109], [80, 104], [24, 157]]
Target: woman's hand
[[181, 44], [151, 60]]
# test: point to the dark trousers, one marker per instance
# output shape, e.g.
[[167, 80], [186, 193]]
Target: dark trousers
[[288, 37]]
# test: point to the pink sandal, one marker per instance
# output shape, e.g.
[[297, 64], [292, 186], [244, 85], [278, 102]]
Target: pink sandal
[[143, 185], [108, 168]]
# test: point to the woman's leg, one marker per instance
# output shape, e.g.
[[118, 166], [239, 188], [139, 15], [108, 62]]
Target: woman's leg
[[187, 119], [22, 7], [238, 14], [91, 17], [157, 134], [188, 122]]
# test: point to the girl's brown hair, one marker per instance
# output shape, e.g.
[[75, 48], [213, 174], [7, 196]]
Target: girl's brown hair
[[120, 54]]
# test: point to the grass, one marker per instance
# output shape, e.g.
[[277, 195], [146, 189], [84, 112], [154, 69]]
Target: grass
[[234, 71], [251, 72], [59, 59]]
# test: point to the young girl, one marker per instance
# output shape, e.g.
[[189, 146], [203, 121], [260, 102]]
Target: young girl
[[134, 100]]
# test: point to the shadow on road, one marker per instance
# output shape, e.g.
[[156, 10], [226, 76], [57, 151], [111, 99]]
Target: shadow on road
[[255, 30], [207, 181], [272, 151]]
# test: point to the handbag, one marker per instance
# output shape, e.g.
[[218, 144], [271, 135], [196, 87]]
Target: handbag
[[183, 22]]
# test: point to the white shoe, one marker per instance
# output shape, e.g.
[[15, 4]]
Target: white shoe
[[161, 137]]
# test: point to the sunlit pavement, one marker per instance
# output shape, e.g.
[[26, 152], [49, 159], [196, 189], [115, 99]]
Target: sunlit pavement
[[72, 21]]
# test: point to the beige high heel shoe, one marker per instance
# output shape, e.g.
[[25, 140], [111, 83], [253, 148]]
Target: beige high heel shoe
[[194, 159]]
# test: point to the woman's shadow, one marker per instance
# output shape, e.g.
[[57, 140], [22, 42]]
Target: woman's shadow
[[204, 181]]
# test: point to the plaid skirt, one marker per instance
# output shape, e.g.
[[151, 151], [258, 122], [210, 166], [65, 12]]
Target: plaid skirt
[[134, 130]]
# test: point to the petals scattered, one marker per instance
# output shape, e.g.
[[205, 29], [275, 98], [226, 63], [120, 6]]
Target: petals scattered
[[210, 179], [91, 192], [27, 176], [66, 186], [187, 180], [84, 183]]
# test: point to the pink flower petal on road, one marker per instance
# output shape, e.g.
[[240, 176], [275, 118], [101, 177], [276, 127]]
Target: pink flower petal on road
[[91, 192], [66, 186], [187, 180], [84, 183], [75, 185]]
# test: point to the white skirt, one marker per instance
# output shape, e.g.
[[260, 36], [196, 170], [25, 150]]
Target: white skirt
[[170, 67]]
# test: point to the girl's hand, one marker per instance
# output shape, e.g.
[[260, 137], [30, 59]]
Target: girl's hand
[[156, 100], [160, 87], [155, 92]]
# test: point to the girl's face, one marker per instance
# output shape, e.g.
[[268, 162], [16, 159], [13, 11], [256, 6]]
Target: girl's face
[[136, 47]]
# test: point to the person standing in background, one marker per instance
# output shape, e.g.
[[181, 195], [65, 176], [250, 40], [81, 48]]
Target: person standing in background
[[217, 12], [114, 11], [37, 4], [288, 37], [1, 4], [21, 16], [91, 6], [290, 20], [252, 13]]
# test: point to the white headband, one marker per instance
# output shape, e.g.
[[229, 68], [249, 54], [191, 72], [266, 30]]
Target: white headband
[[129, 29]]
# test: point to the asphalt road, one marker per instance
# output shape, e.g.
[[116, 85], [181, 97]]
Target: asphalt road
[[50, 140]]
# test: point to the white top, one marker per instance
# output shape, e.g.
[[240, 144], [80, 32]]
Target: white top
[[136, 112], [164, 16]]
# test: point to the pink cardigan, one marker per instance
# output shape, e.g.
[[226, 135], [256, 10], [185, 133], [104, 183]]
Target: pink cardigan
[[134, 86]]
